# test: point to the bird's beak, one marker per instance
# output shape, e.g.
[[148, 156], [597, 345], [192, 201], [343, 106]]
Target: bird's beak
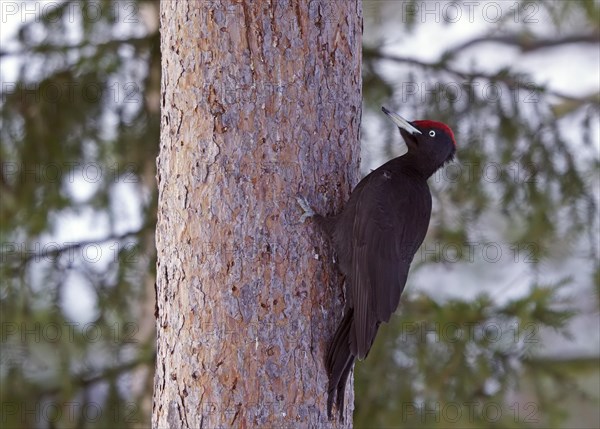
[[400, 121]]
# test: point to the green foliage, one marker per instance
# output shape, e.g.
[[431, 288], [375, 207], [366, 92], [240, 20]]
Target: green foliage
[[454, 363], [79, 116]]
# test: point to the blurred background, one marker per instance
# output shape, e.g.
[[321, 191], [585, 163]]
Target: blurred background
[[500, 323]]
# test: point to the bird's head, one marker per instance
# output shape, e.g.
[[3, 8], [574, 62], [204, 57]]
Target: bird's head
[[431, 143]]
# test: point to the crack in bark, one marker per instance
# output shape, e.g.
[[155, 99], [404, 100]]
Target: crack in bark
[[237, 412], [180, 120], [247, 25], [179, 408], [273, 25], [299, 17], [185, 197]]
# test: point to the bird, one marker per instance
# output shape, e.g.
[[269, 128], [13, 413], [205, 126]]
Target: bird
[[375, 238]]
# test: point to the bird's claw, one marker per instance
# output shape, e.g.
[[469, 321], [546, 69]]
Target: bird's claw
[[308, 210]]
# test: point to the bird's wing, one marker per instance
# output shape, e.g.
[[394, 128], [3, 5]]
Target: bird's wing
[[390, 223]]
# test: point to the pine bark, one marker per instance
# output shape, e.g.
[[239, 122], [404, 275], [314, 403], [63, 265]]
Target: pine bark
[[261, 101]]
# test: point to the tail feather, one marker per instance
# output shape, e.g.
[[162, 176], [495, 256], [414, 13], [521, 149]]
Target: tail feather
[[339, 363]]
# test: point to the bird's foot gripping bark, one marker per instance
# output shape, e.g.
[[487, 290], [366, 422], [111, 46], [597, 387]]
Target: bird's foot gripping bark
[[308, 210]]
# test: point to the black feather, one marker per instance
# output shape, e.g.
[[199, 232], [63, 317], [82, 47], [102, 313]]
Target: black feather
[[375, 237]]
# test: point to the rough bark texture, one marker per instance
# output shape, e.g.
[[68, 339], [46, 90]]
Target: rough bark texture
[[261, 101]]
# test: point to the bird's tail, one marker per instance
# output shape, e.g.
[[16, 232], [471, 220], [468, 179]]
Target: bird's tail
[[339, 363]]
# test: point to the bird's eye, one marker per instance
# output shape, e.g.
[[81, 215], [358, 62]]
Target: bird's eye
[[431, 133]]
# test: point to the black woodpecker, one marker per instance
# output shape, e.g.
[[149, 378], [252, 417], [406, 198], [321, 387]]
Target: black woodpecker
[[375, 237]]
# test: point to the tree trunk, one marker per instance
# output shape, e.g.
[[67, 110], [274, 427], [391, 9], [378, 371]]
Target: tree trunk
[[261, 101]]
